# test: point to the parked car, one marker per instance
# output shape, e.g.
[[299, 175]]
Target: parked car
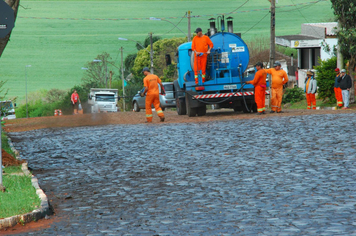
[[7, 110], [167, 100]]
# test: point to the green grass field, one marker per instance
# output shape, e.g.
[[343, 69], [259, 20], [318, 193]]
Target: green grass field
[[57, 38]]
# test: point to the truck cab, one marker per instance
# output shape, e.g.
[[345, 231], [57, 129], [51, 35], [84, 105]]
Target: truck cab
[[7, 110]]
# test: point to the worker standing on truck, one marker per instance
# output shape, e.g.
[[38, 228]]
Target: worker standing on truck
[[151, 82], [201, 46], [75, 101], [259, 82], [279, 78]]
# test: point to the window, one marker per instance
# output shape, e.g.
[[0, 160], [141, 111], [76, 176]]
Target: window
[[104, 98], [6, 105], [168, 87]]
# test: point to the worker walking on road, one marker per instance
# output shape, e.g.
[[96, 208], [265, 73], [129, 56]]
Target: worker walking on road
[[259, 82], [279, 78], [310, 90], [75, 101], [201, 46], [337, 89], [151, 82]]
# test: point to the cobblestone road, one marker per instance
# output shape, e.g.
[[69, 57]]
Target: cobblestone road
[[275, 176]]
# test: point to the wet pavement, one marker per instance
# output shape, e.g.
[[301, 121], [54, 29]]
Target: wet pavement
[[273, 176]]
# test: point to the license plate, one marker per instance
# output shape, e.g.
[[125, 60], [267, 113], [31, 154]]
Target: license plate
[[232, 86]]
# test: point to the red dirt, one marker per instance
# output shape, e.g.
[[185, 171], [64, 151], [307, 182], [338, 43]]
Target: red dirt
[[29, 227], [25, 124], [8, 160]]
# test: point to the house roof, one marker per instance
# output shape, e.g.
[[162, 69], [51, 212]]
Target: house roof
[[312, 34], [330, 27]]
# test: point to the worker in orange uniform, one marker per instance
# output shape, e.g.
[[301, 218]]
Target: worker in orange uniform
[[259, 82], [151, 82], [279, 78], [310, 90], [337, 89], [201, 46]]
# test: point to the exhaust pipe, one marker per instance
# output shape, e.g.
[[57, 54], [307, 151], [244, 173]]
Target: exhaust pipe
[[230, 27], [212, 28]]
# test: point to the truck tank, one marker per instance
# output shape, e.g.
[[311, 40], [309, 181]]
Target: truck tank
[[225, 78]]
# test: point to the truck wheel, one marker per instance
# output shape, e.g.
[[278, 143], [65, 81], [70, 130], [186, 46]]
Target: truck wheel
[[254, 107], [181, 109], [180, 105], [136, 107], [191, 112], [201, 111]]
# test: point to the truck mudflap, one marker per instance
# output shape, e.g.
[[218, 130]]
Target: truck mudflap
[[225, 95]]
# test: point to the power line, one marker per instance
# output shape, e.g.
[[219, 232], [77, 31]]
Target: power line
[[238, 8], [307, 20], [175, 26], [172, 17], [302, 7], [256, 23]]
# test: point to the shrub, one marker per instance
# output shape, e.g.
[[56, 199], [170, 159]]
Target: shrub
[[293, 95], [325, 77], [37, 109]]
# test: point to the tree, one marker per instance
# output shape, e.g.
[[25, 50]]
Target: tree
[[97, 70], [14, 4], [345, 11], [147, 42], [161, 48]]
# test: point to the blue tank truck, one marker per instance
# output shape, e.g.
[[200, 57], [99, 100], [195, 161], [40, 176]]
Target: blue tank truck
[[225, 75]]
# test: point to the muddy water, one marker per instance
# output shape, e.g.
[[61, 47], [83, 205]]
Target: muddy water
[[280, 175]]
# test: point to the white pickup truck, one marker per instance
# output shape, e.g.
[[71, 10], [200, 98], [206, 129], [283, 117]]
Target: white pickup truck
[[7, 110], [103, 100]]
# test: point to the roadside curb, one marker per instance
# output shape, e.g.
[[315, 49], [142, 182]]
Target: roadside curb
[[35, 215]]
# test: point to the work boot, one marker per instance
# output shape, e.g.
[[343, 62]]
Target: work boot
[[259, 113], [280, 111], [162, 119], [272, 111]]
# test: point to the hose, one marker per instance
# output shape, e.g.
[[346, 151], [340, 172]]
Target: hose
[[243, 96]]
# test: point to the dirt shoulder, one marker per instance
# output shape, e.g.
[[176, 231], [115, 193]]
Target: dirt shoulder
[[26, 124]]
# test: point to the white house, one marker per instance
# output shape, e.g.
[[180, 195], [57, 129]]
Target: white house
[[317, 40]]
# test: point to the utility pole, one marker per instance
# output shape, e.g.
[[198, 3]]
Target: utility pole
[[189, 36], [123, 78], [151, 53], [106, 75], [340, 58], [272, 46], [110, 79], [273, 33]]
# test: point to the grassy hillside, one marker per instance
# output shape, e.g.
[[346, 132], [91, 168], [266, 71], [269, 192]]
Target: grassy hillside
[[58, 37]]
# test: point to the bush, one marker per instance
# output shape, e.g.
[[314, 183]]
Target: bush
[[43, 103], [37, 109], [293, 95], [325, 77]]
